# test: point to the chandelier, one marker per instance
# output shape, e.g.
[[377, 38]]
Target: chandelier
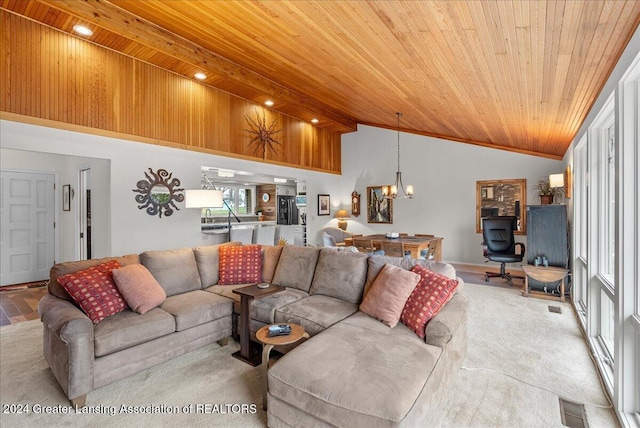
[[397, 191]]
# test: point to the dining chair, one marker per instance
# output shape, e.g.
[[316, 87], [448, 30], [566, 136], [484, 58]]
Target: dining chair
[[265, 235], [393, 249], [363, 245], [427, 253]]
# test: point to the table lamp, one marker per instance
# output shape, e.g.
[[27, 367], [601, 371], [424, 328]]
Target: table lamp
[[342, 216]]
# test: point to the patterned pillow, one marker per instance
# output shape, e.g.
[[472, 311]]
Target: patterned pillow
[[429, 296], [240, 264], [94, 290]]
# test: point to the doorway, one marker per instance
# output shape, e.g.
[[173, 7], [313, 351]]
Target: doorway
[[85, 242], [27, 239]]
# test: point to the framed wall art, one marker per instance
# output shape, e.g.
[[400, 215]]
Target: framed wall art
[[379, 209], [66, 197], [324, 208]]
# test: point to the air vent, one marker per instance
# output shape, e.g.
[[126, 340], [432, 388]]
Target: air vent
[[572, 414], [555, 309]]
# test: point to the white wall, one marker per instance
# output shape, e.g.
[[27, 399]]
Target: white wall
[[117, 165], [65, 169], [444, 174]]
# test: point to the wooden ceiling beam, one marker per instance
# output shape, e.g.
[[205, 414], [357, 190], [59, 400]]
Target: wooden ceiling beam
[[119, 21]]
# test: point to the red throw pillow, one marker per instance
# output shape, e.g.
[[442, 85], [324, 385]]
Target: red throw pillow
[[94, 290], [429, 296], [240, 264]]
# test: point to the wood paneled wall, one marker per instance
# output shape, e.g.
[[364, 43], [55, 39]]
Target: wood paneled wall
[[51, 75]]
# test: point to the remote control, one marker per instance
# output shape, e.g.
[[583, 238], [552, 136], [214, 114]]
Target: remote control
[[279, 330]]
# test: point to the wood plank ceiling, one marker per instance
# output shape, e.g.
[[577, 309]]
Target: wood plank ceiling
[[515, 75]]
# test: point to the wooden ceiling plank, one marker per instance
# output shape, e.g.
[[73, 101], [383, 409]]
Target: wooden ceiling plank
[[518, 74], [121, 22]]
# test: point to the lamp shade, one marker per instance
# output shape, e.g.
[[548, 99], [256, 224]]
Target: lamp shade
[[556, 180], [342, 214], [203, 199]]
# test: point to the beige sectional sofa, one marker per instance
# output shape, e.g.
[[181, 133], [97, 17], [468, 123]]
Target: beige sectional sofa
[[354, 371]]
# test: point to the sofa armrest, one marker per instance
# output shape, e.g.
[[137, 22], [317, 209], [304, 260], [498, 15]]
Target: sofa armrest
[[68, 346], [63, 317], [445, 325]]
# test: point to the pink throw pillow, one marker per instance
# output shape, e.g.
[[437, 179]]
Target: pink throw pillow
[[139, 288], [430, 295], [94, 290], [389, 293], [240, 264]]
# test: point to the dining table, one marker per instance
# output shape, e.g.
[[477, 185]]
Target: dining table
[[414, 244]]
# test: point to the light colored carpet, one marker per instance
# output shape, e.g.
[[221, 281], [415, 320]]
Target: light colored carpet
[[507, 333]]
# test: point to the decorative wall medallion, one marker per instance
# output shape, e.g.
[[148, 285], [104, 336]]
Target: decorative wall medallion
[[158, 193], [263, 134]]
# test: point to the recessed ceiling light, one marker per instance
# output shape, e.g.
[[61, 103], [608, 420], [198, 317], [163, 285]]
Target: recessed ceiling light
[[200, 76], [279, 180], [225, 173], [269, 103], [314, 120], [82, 30]]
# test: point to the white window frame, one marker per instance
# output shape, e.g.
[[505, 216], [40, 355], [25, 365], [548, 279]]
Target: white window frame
[[627, 271]]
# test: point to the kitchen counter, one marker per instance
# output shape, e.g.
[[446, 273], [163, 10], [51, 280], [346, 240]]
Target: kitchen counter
[[222, 227]]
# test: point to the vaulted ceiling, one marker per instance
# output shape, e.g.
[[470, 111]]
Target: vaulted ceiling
[[516, 75]]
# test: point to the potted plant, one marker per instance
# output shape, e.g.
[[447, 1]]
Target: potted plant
[[259, 213], [548, 193]]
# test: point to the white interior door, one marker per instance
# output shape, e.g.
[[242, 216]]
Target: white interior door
[[27, 226]]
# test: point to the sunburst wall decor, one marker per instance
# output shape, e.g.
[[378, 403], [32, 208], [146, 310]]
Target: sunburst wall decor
[[158, 193], [263, 134]]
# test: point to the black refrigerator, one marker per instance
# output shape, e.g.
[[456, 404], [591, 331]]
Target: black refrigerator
[[287, 210]]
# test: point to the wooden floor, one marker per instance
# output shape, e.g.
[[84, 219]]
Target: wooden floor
[[18, 304]]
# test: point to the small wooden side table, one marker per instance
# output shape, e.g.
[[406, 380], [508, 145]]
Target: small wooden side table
[[247, 294], [297, 333], [544, 274]]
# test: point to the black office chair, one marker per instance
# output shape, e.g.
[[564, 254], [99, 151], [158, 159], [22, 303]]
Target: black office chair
[[500, 246]]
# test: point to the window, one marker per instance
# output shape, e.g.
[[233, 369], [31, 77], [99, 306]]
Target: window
[[606, 238], [239, 199], [580, 279], [608, 199]]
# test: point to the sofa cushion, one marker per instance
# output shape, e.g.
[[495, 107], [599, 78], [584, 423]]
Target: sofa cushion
[[357, 373], [430, 295], [315, 313], [270, 257], [207, 260], [94, 290], [340, 274], [226, 290], [296, 267], [175, 270], [138, 287], [60, 269], [196, 307], [240, 264], [263, 309], [389, 293], [128, 328]]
